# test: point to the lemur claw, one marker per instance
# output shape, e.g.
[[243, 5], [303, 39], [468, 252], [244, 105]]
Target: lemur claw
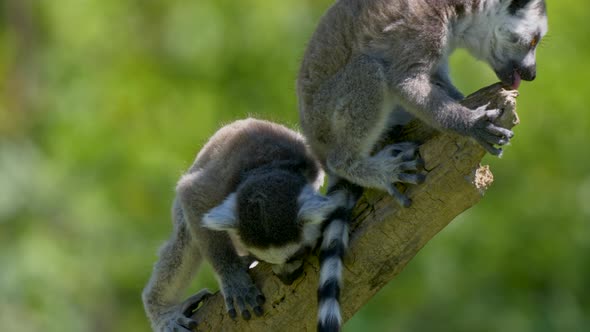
[[176, 321], [487, 133], [403, 164], [238, 289], [191, 304], [402, 199]]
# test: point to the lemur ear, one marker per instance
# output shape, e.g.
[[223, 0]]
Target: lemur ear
[[223, 217], [314, 207]]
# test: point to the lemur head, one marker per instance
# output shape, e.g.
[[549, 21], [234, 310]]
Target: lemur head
[[506, 35], [276, 216]]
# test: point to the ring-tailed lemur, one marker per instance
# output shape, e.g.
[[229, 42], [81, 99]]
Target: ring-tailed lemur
[[252, 190], [375, 64]]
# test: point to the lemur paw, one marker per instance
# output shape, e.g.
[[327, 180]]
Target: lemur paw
[[190, 305], [178, 319], [402, 162], [487, 133], [239, 288], [179, 323]]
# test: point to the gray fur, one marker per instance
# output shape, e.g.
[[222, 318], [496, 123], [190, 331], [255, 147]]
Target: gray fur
[[236, 177], [368, 60], [329, 313], [372, 65], [222, 217], [315, 208]]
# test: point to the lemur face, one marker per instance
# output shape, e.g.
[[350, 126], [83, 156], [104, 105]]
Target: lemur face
[[276, 217], [515, 39]]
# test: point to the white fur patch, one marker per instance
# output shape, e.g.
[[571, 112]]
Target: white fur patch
[[311, 233], [287, 268], [276, 255], [330, 312], [486, 32], [331, 270], [222, 217], [336, 230], [314, 207], [529, 60], [332, 266]]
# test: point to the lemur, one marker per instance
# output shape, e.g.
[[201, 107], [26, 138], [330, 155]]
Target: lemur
[[372, 65], [251, 193]]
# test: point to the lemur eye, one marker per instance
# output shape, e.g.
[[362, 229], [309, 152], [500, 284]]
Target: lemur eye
[[534, 42]]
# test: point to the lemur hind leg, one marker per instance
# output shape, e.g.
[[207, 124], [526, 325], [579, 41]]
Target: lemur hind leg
[[360, 119]]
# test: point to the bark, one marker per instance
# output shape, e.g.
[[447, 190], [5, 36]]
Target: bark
[[384, 236]]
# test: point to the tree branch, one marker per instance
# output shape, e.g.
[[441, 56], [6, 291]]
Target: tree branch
[[385, 236]]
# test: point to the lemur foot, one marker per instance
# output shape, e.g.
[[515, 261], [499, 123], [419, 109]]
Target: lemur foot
[[401, 162], [487, 133], [239, 288], [176, 322], [178, 318], [190, 305]]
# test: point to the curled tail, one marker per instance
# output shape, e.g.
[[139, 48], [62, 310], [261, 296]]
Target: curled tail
[[333, 248]]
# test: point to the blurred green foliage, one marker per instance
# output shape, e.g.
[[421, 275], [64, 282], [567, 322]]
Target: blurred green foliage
[[103, 104]]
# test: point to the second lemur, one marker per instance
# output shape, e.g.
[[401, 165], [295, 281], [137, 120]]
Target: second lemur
[[250, 194], [375, 64]]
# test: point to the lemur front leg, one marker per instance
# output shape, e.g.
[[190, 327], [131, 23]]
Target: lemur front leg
[[235, 283], [433, 105], [178, 261], [239, 289], [442, 78]]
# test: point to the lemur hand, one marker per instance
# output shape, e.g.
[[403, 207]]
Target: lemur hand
[[486, 132], [238, 287]]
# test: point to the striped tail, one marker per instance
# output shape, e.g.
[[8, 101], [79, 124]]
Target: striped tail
[[334, 245]]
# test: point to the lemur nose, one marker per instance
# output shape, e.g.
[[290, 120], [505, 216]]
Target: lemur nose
[[528, 73]]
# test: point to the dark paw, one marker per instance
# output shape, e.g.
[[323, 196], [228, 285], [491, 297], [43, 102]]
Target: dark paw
[[402, 199], [406, 168], [489, 135], [239, 290], [177, 322]]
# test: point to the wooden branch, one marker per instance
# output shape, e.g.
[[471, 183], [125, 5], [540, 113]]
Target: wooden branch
[[385, 236]]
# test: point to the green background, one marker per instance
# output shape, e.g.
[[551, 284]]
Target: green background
[[103, 104]]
